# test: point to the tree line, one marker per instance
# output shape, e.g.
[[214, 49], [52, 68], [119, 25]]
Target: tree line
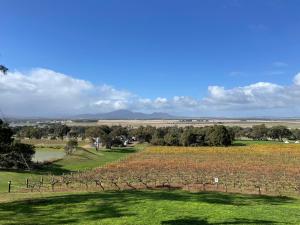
[[261, 132], [116, 135], [217, 135]]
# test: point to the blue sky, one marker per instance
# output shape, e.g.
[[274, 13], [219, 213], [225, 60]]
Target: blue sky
[[158, 49]]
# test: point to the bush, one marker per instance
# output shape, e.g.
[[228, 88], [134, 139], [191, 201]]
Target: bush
[[71, 146]]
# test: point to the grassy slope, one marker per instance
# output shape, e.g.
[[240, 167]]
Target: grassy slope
[[151, 207], [250, 142], [82, 159]]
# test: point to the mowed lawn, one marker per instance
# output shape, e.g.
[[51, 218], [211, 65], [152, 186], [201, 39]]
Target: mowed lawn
[[150, 207], [81, 160]]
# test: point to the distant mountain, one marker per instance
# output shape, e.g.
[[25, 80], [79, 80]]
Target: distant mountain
[[125, 115]]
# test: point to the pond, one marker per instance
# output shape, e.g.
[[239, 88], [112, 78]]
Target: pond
[[48, 155]]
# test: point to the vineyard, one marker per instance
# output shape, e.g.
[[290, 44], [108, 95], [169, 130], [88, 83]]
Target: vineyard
[[259, 169]]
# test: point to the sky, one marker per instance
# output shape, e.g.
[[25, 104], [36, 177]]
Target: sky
[[227, 58]]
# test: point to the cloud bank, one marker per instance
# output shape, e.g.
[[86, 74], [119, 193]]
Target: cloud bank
[[43, 92]]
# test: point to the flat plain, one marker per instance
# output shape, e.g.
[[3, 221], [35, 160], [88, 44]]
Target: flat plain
[[290, 123]]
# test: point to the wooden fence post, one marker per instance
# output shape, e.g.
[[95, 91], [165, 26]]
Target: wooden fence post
[[9, 186], [27, 183]]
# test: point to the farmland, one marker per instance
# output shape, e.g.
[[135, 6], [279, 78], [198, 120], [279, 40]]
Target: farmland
[[292, 123], [82, 159], [162, 185], [271, 169]]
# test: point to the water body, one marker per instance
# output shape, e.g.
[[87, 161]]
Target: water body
[[48, 155]]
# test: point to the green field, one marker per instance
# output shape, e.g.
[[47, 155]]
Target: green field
[[251, 142], [147, 207], [151, 207], [82, 159]]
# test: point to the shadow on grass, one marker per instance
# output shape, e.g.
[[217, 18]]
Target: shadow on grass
[[239, 144], [45, 169], [86, 208], [121, 150], [240, 200], [199, 221], [51, 168]]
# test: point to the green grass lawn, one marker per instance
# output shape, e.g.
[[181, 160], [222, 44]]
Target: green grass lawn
[[150, 207], [89, 158], [251, 142], [80, 160]]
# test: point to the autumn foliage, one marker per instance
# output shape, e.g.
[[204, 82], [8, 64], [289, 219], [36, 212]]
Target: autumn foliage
[[260, 169]]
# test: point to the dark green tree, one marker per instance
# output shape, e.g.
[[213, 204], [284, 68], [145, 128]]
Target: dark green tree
[[60, 130], [259, 132], [144, 134], [218, 135], [279, 132], [172, 138], [13, 154], [188, 137], [296, 134], [158, 137]]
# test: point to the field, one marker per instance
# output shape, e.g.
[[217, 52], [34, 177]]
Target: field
[[150, 208], [82, 159], [292, 123], [258, 183], [271, 169]]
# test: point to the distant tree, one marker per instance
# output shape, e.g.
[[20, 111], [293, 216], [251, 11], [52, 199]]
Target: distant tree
[[71, 146], [172, 137], [246, 132], [158, 137], [106, 137], [109, 136], [296, 134], [118, 135], [93, 132], [279, 132], [218, 135], [144, 134], [259, 132], [118, 131], [192, 137], [76, 132], [235, 132], [30, 132], [60, 130], [187, 137]]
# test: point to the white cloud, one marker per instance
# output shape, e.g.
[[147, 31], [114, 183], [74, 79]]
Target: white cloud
[[258, 96], [297, 79], [43, 92]]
